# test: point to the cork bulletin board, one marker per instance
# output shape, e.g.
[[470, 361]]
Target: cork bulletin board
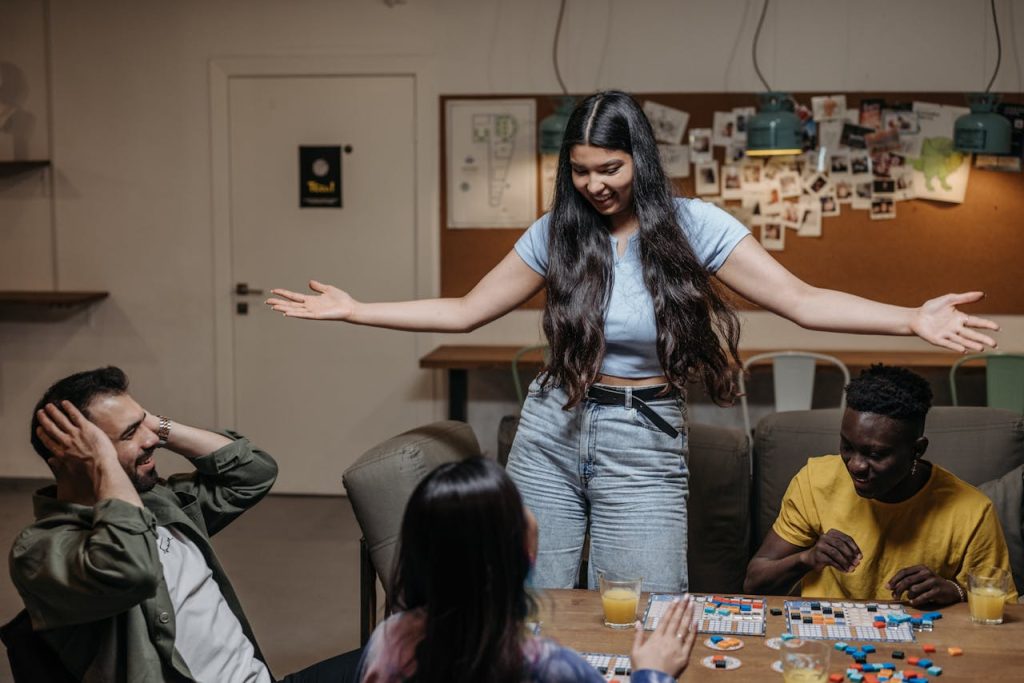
[[930, 248]]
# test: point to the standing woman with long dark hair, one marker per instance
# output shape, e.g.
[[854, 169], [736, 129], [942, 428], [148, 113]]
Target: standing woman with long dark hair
[[465, 552], [631, 316]]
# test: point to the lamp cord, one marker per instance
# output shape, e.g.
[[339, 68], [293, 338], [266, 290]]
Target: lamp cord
[[554, 48], [999, 46], [757, 35]]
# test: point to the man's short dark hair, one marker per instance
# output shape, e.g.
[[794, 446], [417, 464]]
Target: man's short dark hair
[[79, 389], [894, 392]]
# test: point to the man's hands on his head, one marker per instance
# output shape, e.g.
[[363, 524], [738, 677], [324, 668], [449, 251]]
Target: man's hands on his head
[[922, 586], [70, 436], [833, 549]]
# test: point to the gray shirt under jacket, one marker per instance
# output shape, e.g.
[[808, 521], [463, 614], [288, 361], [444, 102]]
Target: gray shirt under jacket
[[91, 579]]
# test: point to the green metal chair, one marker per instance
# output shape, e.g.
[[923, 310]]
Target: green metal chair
[[1004, 379]]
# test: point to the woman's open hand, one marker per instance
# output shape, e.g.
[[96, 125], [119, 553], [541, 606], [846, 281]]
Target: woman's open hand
[[330, 303], [668, 648], [939, 322]]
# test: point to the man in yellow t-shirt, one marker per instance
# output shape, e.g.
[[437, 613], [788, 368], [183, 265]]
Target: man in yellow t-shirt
[[877, 522]]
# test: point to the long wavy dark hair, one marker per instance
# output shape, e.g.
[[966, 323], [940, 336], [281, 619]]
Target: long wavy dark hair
[[698, 330], [463, 560]]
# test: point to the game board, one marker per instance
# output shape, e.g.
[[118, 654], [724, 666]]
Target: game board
[[725, 615], [828, 620], [612, 667]]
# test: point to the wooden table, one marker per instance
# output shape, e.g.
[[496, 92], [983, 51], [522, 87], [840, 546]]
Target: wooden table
[[574, 618], [459, 360]]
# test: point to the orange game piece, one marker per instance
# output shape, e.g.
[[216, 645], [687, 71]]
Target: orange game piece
[[955, 651], [913, 660], [928, 647], [836, 678]]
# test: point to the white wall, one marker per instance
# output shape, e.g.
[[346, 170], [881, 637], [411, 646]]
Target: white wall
[[131, 143]]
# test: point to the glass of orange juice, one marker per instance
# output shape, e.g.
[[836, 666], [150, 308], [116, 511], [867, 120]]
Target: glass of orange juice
[[620, 597], [805, 661], [987, 588]]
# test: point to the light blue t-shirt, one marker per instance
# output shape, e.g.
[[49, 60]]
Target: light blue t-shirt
[[630, 330]]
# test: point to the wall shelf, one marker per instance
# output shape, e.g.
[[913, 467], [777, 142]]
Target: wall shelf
[[50, 299], [9, 168]]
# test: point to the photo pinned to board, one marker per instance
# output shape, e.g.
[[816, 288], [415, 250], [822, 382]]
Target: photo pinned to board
[[883, 199], [773, 235], [789, 184], [723, 128], [829, 203], [700, 145], [676, 160], [706, 176], [732, 185], [828, 107], [810, 217], [669, 123], [742, 115]]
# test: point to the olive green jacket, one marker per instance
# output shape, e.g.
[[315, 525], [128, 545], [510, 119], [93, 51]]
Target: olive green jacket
[[91, 579]]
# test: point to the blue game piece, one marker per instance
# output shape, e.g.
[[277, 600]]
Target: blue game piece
[[788, 636], [868, 648], [860, 659], [916, 621], [888, 665], [744, 608], [870, 668], [926, 622], [716, 639], [841, 646], [856, 677], [935, 670], [932, 615], [924, 663], [849, 649]]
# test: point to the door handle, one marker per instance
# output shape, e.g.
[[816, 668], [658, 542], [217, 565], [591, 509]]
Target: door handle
[[242, 289]]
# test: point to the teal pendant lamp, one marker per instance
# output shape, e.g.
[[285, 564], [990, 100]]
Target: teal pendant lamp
[[775, 130], [984, 130]]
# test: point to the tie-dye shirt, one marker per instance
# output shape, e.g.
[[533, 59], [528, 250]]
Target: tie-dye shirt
[[390, 657]]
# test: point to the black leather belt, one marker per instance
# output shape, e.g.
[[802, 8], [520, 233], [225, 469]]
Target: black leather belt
[[609, 396]]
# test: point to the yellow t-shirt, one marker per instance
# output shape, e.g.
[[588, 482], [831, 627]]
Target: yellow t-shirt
[[948, 526]]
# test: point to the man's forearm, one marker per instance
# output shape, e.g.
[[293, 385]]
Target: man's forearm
[[193, 442], [774, 577], [109, 481]]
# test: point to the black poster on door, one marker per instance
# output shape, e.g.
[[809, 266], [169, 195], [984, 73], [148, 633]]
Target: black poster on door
[[320, 177]]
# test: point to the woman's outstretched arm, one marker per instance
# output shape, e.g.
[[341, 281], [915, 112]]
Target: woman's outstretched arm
[[506, 286], [752, 273]]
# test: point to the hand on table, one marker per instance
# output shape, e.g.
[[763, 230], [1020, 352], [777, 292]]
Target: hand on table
[[71, 437], [330, 303], [939, 322], [668, 648], [922, 587], [833, 549]]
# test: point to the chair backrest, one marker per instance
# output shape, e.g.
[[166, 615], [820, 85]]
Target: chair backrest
[[976, 444], [32, 659], [718, 510], [793, 375], [1004, 379], [381, 481]]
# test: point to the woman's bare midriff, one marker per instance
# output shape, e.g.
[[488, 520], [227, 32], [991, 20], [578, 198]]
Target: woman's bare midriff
[[631, 381]]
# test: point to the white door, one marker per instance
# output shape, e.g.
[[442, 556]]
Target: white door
[[313, 394]]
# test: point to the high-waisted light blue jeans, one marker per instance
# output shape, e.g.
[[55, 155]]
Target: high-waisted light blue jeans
[[611, 465]]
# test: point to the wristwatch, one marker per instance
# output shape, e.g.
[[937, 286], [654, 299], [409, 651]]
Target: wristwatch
[[163, 431]]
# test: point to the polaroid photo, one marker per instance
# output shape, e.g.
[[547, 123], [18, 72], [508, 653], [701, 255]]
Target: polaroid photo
[[706, 177], [817, 184], [827, 107], [883, 140], [771, 200], [910, 145], [861, 195], [829, 203], [700, 145], [839, 164], [732, 185], [903, 122], [771, 172], [810, 218], [883, 208], [854, 137], [790, 215], [742, 114], [883, 186], [830, 135], [723, 127], [860, 164], [773, 236], [789, 184], [843, 184], [676, 160], [751, 179], [669, 124], [735, 153], [904, 179], [871, 113]]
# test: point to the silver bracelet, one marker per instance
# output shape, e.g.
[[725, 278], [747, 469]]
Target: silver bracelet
[[163, 431], [959, 590]]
